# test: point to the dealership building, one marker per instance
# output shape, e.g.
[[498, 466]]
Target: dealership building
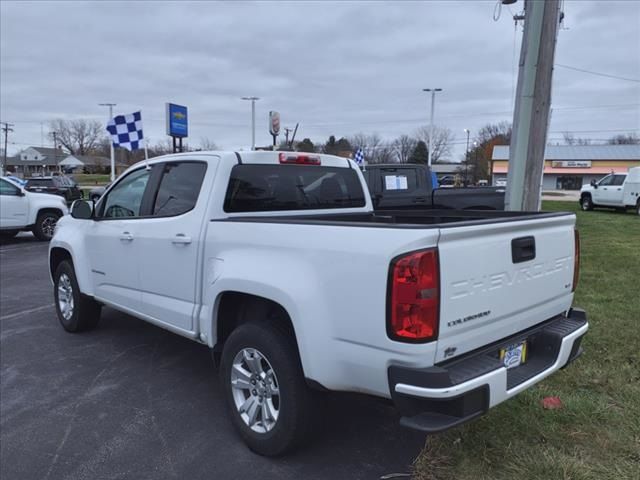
[[568, 167]]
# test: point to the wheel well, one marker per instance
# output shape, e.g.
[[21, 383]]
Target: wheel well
[[56, 257], [585, 194], [47, 210], [236, 308], [479, 207]]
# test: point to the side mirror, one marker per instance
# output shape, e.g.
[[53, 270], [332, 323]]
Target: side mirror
[[82, 210], [594, 184], [21, 193]]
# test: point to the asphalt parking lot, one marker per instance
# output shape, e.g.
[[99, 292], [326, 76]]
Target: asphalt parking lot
[[130, 400]]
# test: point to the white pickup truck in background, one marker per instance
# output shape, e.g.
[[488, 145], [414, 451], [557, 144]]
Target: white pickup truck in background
[[278, 262], [21, 210], [618, 190]]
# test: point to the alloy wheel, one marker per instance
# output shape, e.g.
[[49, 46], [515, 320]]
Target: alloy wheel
[[65, 296], [255, 390]]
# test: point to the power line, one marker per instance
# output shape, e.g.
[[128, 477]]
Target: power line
[[598, 73]]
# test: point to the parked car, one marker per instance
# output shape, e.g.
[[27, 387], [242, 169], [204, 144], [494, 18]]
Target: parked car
[[57, 185], [618, 190], [16, 180], [96, 192], [21, 210], [394, 186], [278, 262]]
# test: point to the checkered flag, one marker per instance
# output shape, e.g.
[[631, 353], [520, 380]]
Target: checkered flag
[[126, 131], [359, 156]]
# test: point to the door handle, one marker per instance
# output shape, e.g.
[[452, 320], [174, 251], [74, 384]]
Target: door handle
[[181, 239], [126, 237]]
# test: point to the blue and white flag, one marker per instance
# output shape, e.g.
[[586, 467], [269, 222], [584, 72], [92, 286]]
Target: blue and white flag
[[126, 131], [358, 157]]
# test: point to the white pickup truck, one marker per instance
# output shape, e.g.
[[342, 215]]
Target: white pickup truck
[[21, 210], [278, 262], [618, 190]]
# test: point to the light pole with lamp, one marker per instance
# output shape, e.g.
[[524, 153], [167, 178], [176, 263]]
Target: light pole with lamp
[[433, 100], [253, 120]]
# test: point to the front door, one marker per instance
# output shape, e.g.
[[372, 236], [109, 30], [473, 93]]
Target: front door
[[14, 206], [112, 241], [599, 195], [170, 242]]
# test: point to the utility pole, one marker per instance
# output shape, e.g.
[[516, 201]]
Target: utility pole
[[55, 149], [286, 134], [6, 129], [433, 101], [111, 150], [533, 100], [466, 157], [253, 120]]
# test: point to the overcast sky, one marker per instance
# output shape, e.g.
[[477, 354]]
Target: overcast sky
[[337, 68]]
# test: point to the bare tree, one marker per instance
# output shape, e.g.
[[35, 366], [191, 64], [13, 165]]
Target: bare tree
[[570, 139], [403, 147], [207, 144], [369, 143], [80, 137], [442, 140], [477, 164], [630, 139]]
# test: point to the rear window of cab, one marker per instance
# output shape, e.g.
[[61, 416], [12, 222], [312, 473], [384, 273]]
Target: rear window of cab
[[270, 188]]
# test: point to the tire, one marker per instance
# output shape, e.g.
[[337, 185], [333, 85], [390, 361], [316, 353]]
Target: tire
[[586, 203], [76, 312], [295, 406], [45, 225], [638, 208]]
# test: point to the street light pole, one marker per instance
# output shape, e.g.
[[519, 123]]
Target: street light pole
[[253, 120], [433, 101], [111, 151], [466, 157]]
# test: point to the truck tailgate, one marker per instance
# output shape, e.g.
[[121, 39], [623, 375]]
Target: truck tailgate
[[500, 278]]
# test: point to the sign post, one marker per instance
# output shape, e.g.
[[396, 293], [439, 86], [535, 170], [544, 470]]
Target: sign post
[[177, 121], [274, 126]]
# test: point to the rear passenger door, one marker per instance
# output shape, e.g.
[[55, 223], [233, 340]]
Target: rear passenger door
[[169, 245]]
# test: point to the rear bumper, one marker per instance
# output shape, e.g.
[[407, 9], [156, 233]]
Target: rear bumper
[[454, 392]]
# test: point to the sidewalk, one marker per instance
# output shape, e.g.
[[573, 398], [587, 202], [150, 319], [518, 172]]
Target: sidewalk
[[561, 195]]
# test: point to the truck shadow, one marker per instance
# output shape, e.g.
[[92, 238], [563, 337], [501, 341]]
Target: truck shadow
[[359, 436]]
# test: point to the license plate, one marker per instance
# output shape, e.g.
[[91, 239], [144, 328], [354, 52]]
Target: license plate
[[514, 355]]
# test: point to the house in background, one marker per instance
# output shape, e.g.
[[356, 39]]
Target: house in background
[[36, 161], [90, 164], [43, 161], [568, 167]]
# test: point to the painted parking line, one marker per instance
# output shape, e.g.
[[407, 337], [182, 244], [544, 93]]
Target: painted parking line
[[26, 312]]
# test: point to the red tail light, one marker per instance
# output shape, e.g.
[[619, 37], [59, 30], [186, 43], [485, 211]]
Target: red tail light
[[413, 310], [576, 260], [298, 159]]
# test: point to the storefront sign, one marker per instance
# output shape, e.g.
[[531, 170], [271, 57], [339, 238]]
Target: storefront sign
[[571, 164]]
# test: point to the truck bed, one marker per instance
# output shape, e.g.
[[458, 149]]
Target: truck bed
[[404, 218]]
